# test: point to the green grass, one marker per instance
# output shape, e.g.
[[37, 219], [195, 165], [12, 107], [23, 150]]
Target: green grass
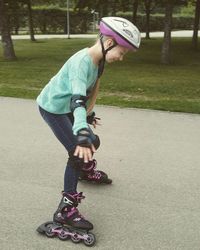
[[139, 81]]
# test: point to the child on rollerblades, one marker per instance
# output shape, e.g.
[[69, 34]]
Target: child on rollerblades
[[66, 104]]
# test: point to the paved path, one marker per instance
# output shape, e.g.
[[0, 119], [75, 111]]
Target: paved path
[[182, 33], [153, 158]]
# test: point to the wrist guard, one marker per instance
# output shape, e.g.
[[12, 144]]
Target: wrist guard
[[91, 118], [83, 138]]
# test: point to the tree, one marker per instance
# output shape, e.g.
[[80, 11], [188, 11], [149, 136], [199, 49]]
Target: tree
[[165, 52], [148, 9], [169, 5], [30, 18], [8, 49], [26, 4], [14, 9], [114, 7], [196, 25], [135, 9]]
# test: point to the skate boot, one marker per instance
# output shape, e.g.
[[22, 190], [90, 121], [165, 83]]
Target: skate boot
[[67, 212], [68, 222], [91, 174]]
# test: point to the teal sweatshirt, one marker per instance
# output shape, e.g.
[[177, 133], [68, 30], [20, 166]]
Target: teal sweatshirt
[[77, 77]]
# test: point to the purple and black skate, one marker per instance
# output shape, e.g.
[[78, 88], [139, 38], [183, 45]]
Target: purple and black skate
[[91, 174], [68, 222]]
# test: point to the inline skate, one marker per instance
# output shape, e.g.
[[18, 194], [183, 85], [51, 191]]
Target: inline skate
[[91, 174], [68, 222]]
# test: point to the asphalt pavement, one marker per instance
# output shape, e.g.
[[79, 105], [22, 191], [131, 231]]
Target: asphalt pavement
[[152, 156]]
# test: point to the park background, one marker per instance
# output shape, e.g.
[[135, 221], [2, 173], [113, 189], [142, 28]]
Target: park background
[[163, 74], [153, 202]]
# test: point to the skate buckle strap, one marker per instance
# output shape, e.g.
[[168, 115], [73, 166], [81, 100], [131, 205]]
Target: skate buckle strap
[[96, 175], [90, 166], [78, 197], [67, 201], [74, 211]]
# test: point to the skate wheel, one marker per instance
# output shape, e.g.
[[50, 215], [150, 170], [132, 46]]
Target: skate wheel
[[48, 231], [90, 241], [63, 235], [75, 238]]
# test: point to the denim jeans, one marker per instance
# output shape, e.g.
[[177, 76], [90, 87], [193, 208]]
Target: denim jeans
[[61, 125]]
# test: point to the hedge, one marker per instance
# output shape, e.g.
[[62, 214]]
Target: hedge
[[157, 21], [54, 20]]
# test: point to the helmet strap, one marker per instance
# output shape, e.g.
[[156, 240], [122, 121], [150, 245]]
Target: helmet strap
[[104, 52]]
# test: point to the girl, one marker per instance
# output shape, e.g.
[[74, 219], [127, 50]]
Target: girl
[[66, 104]]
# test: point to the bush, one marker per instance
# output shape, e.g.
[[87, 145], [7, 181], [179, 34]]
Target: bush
[[53, 19], [157, 21]]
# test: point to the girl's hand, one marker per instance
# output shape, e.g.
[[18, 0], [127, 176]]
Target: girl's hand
[[93, 120], [96, 122], [85, 153]]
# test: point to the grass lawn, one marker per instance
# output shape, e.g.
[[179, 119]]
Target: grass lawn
[[139, 81]]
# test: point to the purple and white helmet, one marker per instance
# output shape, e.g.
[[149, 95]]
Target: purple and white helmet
[[121, 30]]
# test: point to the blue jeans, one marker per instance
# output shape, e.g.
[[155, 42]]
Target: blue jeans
[[61, 126]]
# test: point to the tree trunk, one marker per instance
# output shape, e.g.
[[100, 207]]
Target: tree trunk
[[8, 49], [15, 13], [114, 4], [147, 4], [135, 8], [30, 19], [196, 25], [165, 53], [103, 8]]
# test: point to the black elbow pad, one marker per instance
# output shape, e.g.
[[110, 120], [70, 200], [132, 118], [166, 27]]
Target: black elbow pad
[[78, 101]]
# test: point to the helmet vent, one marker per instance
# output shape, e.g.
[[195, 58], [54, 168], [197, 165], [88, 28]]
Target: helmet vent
[[128, 33]]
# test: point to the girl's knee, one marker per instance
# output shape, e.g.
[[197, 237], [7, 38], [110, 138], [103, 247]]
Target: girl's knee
[[96, 142]]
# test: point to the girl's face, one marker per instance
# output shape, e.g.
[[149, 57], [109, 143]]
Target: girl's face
[[115, 54]]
